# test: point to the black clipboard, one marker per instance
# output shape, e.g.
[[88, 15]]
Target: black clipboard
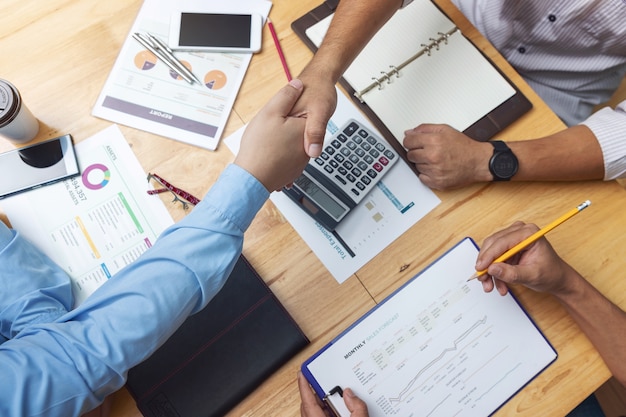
[[481, 130], [453, 330]]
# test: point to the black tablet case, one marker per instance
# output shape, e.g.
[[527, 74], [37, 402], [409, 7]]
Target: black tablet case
[[219, 355], [482, 130]]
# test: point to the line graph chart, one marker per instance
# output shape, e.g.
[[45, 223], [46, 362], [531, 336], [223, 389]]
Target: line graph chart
[[439, 347]]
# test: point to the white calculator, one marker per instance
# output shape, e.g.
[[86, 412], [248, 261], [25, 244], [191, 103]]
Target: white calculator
[[354, 159]]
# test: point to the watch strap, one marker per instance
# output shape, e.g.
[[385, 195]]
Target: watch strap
[[499, 146]]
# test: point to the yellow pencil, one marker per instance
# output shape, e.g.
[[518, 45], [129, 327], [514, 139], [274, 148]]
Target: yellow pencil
[[535, 236]]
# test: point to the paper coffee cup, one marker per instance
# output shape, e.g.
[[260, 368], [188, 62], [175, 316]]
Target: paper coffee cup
[[17, 123]]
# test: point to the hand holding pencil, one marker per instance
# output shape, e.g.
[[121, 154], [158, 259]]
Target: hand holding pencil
[[516, 238]]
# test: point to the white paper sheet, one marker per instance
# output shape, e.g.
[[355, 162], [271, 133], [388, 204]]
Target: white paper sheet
[[142, 92], [397, 202], [440, 346], [94, 224]]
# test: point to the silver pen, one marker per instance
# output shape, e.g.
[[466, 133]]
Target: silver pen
[[146, 44], [170, 54]]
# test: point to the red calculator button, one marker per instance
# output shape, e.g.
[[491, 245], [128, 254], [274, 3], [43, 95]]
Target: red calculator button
[[378, 167], [383, 160]]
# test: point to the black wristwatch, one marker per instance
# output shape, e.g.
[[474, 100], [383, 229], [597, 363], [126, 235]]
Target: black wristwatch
[[503, 163]]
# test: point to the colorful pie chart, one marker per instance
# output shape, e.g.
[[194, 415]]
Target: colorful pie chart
[[174, 75], [215, 79], [145, 60], [96, 176]]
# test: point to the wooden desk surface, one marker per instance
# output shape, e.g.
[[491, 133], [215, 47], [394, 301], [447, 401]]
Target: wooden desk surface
[[59, 53]]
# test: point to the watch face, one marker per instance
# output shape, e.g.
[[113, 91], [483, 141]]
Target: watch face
[[504, 164]]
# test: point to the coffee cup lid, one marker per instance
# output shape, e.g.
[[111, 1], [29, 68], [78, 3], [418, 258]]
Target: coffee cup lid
[[8, 100]]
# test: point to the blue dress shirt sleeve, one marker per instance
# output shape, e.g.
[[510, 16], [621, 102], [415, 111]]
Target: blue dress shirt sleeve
[[34, 288], [68, 366]]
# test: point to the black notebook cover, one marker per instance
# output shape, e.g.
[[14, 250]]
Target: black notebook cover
[[219, 355], [482, 130]]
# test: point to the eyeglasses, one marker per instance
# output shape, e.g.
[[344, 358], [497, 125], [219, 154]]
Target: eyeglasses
[[180, 196]]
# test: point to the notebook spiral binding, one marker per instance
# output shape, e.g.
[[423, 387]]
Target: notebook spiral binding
[[387, 77]]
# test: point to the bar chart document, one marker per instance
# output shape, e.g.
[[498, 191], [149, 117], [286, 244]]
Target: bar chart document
[[438, 346]]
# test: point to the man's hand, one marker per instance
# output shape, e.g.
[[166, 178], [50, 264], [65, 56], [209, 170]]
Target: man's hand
[[271, 147], [537, 267], [317, 103], [446, 158], [311, 405]]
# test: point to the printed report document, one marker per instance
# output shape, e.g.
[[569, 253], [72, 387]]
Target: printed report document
[[94, 224], [438, 346]]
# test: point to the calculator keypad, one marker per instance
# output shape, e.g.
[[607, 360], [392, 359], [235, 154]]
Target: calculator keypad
[[355, 159]]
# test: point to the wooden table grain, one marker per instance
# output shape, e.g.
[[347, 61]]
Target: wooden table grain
[[59, 54]]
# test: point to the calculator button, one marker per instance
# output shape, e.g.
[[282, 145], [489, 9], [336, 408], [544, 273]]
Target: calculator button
[[354, 159], [351, 128], [341, 180]]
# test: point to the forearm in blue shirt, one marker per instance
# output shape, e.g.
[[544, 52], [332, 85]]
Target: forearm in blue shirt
[[68, 367], [33, 288]]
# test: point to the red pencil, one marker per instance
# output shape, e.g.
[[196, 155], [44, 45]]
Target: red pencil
[[279, 49]]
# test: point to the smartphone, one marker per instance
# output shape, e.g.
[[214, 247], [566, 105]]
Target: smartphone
[[215, 32], [37, 165]]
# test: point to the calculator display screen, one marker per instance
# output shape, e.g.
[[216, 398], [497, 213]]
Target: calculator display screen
[[320, 197]]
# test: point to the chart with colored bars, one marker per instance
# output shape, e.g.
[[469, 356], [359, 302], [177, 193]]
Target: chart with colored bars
[[439, 347], [378, 211]]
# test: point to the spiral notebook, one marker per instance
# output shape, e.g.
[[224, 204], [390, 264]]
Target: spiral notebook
[[438, 346], [420, 68]]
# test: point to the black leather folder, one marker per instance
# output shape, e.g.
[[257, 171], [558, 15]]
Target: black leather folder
[[219, 355]]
